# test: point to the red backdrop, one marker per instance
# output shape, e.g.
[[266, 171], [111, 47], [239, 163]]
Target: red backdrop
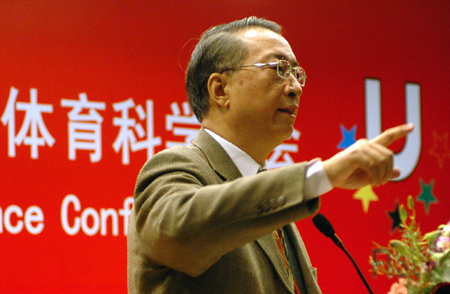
[[90, 89]]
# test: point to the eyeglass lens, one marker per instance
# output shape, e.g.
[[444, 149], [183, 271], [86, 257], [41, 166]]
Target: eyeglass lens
[[284, 69]]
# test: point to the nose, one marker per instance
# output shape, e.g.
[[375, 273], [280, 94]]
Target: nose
[[293, 88]]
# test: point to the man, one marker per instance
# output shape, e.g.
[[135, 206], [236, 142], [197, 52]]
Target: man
[[204, 219]]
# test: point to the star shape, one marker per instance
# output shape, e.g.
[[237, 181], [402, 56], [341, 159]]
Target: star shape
[[366, 194], [348, 137], [440, 148], [395, 217], [426, 196]]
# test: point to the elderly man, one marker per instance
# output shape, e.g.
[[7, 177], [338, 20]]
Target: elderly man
[[204, 219]]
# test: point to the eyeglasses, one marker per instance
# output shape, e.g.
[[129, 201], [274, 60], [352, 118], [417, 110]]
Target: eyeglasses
[[284, 69]]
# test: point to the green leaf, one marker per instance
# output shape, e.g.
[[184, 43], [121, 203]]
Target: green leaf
[[410, 202], [403, 213], [400, 247], [431, 236]]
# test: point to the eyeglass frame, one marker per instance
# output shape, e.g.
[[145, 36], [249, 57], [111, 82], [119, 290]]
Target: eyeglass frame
[[301, 79]]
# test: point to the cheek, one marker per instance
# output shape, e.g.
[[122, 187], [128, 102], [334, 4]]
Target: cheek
[[259, 96]]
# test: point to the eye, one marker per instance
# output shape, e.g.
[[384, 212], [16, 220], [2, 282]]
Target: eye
[[284, 67], [298, 73]]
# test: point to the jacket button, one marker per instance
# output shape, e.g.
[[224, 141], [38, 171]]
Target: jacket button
[[266, 206], [282, 200], [274, 203], [259, 208]]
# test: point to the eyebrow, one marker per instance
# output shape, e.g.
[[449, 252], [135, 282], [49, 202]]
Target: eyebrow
[[282, 56]]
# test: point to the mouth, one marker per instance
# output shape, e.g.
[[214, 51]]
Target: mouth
[[291, 110]]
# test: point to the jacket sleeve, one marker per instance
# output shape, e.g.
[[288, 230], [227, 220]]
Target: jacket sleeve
[[186, 216]]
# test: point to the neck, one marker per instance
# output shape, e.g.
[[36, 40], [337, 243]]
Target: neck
[[257, 148]]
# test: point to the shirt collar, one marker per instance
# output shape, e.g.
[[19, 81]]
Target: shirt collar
[[246, 165]]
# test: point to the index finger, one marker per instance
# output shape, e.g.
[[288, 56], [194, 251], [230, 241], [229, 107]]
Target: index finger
[[390, 135]]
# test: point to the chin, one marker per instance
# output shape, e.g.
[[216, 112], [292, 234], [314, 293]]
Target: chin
[[289, 131], [283, 135]]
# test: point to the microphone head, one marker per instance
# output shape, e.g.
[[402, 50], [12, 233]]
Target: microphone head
[[323, 225]]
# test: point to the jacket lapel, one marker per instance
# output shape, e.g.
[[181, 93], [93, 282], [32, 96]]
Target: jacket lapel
[[308, 273], [269, 246], [217, 156]]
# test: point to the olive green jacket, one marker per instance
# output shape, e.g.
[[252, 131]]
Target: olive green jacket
[[198, 226]]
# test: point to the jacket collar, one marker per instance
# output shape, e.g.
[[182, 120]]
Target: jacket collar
[[217, 156]]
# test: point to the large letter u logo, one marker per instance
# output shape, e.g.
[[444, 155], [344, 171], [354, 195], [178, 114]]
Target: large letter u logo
[[407, 159]]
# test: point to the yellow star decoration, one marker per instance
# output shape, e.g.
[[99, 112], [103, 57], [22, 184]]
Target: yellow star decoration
[[366, 194]]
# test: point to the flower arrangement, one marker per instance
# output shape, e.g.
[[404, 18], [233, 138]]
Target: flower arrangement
[[420, 262]]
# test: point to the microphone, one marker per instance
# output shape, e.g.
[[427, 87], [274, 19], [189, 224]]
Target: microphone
[[325, 227]]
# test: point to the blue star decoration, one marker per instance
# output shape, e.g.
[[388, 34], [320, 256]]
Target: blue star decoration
[[348, 137], [395, 217], [426, 196]]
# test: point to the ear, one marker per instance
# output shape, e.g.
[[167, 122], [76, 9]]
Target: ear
[[216, 88]]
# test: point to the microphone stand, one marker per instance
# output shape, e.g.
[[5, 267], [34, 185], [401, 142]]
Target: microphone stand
[[356, 266], [325, 227]]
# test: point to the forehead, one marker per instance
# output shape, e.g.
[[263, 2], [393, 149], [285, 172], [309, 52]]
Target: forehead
[[264, 45]]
